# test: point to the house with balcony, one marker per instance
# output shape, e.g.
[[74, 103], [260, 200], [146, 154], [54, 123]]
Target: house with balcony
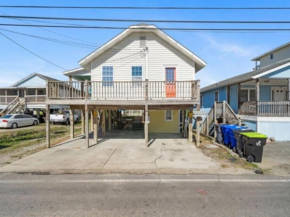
[[260, 97], [26, 95], [142, 68]]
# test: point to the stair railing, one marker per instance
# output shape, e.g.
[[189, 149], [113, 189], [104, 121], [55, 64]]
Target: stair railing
[[9, 106]]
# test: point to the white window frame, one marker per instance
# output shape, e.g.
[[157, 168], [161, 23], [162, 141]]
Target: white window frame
[[249, 89], [165, 118], [137, 83], [107, 76]]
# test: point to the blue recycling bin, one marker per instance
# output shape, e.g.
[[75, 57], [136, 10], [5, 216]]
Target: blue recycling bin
[[225, 131]]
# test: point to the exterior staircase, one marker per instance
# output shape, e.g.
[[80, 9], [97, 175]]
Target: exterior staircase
[[18, 105], [221, 112]]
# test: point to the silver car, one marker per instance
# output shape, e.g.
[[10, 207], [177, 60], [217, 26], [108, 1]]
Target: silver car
[[17, 120]]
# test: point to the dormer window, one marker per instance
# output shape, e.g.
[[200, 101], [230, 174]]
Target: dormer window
[[271, 56], [143, 42]]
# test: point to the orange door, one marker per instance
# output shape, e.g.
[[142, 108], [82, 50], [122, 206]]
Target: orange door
[[170, 76]]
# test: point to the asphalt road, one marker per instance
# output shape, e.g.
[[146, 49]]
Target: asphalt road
[[143, 195]]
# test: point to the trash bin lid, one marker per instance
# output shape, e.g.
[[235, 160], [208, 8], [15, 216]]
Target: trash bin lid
[[254, 135]]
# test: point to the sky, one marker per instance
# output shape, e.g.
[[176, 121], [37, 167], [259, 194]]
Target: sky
[[226, 54]]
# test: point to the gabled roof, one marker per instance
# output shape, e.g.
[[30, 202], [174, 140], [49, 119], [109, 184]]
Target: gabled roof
[[31, 76], [271, 51], [143, 28], [248, 76]]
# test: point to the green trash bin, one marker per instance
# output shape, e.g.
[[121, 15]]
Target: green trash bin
[[253, 146]]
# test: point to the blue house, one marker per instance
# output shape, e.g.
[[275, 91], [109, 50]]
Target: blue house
[[261, 97]]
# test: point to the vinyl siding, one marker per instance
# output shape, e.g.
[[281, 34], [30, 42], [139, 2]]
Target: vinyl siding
[[279, 55], [161, 55], [234, 97], [159, 125], [251, 124], [35, 81], [208, 97]]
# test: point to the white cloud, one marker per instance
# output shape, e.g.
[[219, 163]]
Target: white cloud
[[226, 48]]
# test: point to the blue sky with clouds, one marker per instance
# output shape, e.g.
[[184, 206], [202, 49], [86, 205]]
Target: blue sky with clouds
[[226, 54]]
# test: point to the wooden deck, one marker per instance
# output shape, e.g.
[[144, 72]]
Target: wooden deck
[[125, 94], [266, 109]]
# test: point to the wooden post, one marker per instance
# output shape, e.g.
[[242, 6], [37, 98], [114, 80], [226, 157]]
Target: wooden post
[[109, 120], [288, 89], [47, 123], [146, 89], [198, 122], [70, 86], [257, 96], [207, 125], [83, 121], [190, 132], [198, 94], [92, 121], [95, 121], [104, 123], [71, 121], [214, 119], [87, 125], [183, 123], [86, 89], [146, 127], [224, 112]]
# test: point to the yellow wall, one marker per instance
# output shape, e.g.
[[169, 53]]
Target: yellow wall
[[159, 125]]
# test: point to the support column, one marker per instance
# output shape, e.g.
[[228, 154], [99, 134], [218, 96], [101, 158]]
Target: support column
[[146, 127], [214, 119], [190, 132], [198, 123], [109, 120], [87, 126], [83, 121], [257, 96], [92, 120], [104, 123], [95, 121], [183, 122], [288, 89], [72, 123], [224, 112], [47, 123]]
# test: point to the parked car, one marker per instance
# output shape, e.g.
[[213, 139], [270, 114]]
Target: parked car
[[63, 117], [17, 120]]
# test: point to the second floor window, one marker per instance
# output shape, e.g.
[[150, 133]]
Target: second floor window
[[137, 75], [108, 76]]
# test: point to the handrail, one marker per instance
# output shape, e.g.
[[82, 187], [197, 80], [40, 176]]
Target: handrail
[[146, 90], [8, 106]]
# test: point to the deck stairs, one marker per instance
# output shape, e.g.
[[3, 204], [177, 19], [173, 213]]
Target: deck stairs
[[221, 112], [18, 105]]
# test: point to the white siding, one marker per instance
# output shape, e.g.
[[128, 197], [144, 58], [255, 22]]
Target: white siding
[[161, 55], [35, 81], [279, 55]]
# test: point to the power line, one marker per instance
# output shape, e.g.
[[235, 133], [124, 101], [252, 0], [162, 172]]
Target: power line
[[148, 28], [32, 52], [142, 8], [148, 20]]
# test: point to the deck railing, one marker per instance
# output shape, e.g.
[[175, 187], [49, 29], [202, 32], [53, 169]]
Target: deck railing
[[5, 100], [123, 90], [267, 109]]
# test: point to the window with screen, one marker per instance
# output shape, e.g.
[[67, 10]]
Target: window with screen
[[252, 95], [41, 92], [30, 92], [168, 115], [137, 75], [243, 95], [107, 76]]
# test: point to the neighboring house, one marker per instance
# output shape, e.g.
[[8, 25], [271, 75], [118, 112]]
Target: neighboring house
[[31, 90], [142, 68], [260, 97]]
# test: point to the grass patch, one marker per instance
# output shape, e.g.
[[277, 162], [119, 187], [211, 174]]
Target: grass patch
[[10, 141]]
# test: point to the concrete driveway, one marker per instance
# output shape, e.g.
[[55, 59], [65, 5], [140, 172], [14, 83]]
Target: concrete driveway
[[120, 152], [276, 158]]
